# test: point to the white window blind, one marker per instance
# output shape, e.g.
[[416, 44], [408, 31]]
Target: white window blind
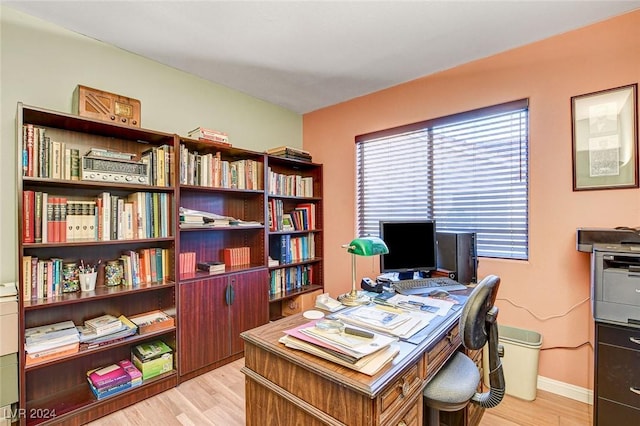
[[468, 171]]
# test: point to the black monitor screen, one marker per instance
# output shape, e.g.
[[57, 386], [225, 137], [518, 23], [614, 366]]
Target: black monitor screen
[[412, 246]]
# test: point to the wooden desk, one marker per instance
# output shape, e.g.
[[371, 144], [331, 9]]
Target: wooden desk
[[289, 387]]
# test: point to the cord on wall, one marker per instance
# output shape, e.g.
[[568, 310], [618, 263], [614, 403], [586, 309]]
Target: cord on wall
[[545, 318], [552, 317], [569, 347]]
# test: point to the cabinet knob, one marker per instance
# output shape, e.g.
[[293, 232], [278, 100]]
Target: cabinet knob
[[405, 388]]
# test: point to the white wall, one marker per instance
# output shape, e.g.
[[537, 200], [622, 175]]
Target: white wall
[[41, 64]]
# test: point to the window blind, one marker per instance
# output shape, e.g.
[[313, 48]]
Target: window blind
[[467, 171]]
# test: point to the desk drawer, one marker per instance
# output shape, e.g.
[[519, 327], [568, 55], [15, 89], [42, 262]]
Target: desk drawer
[[397, 393], [613, 414], [625, 337], [409, 415], [619, 375], [436, 357]]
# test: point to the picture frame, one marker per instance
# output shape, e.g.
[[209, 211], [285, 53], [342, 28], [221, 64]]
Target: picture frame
[[605, 139]]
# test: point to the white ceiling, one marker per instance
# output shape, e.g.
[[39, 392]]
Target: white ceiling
[[305, 55]]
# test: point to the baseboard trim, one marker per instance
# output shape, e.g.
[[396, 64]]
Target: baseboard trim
[[565, 389]]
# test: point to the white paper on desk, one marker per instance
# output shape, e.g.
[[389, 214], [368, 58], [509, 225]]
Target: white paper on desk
[[379, 317], [415, 321], [356, 346], [444, 306]]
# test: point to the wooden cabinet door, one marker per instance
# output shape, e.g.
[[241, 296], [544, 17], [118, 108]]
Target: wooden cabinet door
[[250, 305], [204, 323]]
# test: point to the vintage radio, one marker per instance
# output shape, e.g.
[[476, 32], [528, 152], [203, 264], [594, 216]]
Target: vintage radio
[[105, 169], [100, 105]]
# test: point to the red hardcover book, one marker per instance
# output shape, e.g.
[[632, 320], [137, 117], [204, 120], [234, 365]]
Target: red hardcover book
[[62, 224], [50, 220], [28, 216]]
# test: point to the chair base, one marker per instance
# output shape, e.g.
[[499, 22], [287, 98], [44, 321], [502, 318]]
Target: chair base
[[451, 389]]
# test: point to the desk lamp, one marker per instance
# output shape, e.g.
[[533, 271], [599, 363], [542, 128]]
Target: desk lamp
[[366, 246]]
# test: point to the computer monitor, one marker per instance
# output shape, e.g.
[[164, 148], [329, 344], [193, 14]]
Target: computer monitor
[[412, 247]]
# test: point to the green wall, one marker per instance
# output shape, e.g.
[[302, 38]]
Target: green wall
[[41, 64]]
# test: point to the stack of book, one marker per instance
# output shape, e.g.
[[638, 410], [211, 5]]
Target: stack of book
[[49, 342], [212, 267], [187, 262], [352, 347], [289, 152], [209, 135], [113, 379], [237, 256], [104, 330]]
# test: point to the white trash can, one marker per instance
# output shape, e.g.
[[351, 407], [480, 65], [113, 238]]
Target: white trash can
[[520, 361]]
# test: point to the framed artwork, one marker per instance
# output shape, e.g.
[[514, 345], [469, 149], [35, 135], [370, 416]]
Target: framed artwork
[[605, 139]]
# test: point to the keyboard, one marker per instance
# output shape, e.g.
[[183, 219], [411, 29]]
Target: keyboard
[[426, 285]]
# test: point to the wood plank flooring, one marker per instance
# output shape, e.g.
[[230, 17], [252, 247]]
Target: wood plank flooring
[[217, 398]]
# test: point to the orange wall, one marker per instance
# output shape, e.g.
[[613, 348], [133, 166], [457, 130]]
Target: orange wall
[[555, 279]]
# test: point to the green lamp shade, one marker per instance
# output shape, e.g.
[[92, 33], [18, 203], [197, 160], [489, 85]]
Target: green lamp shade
[[367, 246]]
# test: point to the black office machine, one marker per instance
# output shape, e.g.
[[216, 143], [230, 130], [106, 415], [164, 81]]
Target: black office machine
[[615, 286]]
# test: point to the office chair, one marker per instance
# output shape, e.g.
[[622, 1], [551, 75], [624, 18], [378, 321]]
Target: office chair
[[456, 384]]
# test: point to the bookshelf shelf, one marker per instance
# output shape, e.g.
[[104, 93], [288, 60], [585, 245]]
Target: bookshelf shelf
[[121, 242], [293, 293], [71, 404], [302, 262], [71, 184], [135, 339], [98, 293]]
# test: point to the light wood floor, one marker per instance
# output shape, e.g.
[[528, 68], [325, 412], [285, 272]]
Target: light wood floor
[[217, 398]]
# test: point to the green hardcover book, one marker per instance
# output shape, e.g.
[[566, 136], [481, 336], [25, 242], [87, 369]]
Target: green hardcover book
[[75, 164]]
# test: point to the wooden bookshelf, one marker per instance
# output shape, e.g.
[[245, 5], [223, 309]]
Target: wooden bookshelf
[[57, 390], [302, 270], [228, 182]]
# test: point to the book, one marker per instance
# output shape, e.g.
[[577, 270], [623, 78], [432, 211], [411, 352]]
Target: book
[[104, 324], [100, 394], [153, 321], [108, 377], [369, 365], [28, 216], [89, 339], [50, 336], [51, 354], [211, 266], [284, 148], [134, 374], [209, 135]]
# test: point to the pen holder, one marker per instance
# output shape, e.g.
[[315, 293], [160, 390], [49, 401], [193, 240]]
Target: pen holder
[[88, 281]]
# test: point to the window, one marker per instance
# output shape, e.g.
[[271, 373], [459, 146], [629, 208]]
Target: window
[[467, 171]]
